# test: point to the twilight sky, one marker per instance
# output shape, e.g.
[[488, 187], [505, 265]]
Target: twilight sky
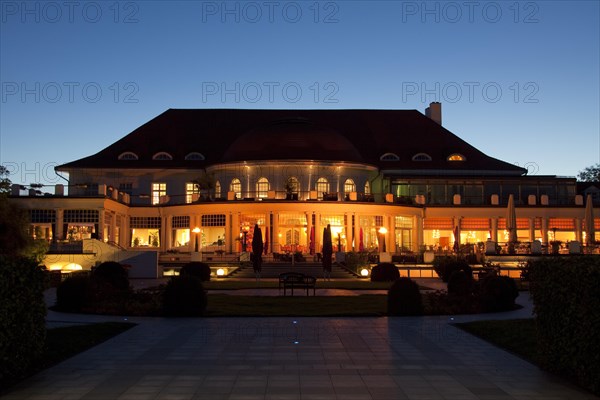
[[518, 80]]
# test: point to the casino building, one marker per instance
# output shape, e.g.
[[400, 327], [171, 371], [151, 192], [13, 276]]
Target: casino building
[[393, 181]]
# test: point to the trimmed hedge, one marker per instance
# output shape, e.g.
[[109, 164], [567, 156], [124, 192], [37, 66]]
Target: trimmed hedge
[[497, 293], [73, 294], [445, 266], [567, 307], [198, 269], [22, 314], [404, 298], [184, 296], [113, 274], [385, 272]]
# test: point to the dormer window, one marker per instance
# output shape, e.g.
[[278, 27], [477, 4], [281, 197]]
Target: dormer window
[[389, 157], [421, 157], [195, 156], [128, 156], [162, 156], [456, 157]]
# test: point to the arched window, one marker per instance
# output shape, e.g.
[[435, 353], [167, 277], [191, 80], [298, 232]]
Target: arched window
[[367, 187], [217, 190], [194, 156], [162, 156], [262, 188], [128, 155], [322, 186], [292, 185], [421, 157], [236, 187], [389, 157], [349, 186], [456, 157]]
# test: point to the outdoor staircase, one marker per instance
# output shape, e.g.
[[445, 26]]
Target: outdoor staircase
[[272, 270]]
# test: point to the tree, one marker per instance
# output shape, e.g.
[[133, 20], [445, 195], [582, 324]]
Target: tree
[[590, 174], [5, 183]]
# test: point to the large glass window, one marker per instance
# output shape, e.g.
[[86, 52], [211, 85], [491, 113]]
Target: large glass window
[[262, 188], [158, 190], [217, 189], [322, 187], [236, 187], [145, 231], [190, 190], [181, 231], [349, 186]]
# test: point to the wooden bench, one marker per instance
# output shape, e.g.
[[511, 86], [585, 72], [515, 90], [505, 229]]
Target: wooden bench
[[291, 280]]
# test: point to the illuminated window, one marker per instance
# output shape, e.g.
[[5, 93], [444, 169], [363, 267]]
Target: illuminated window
[[162, 156], [158, 190], [456, 157], [217, 189], [322, 187], [194, 156], [389, 157], [293, 185], [236, 187], [421, 157], [262, 187], [349, 186], [128, 155], [367, 187], [191, 189]]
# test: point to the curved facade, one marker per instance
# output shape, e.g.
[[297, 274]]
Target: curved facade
[[293, 172]]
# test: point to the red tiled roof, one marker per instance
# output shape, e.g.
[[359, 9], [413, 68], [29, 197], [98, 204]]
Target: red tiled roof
[[231, 135]]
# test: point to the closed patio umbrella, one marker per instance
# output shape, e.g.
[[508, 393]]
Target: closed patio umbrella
[[590, 233], [361, 242], [511, 223], [257, 249], [311, 245]]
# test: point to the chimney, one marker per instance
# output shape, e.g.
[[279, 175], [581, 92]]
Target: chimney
[[434, 111]]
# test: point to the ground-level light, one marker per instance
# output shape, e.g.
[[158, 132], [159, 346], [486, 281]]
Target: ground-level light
[[364, 272], [220, 272]]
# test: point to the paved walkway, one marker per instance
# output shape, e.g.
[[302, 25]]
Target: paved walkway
[[295, 358]]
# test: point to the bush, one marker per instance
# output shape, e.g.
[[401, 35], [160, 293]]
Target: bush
[[497, 293], [73, 294], [184, 296], [460, 284], [22, 314], [445, 266], [567, 309], [384, 272], [113, 274], [197, 269], [404, 298]]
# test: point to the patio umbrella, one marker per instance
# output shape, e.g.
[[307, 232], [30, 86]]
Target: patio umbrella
[[590, 234], [511, 220], [327, 250], [257, 249], [311, 245], [361, 242], [456, 239]]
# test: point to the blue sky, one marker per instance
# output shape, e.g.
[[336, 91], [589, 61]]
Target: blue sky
[[518, 80]]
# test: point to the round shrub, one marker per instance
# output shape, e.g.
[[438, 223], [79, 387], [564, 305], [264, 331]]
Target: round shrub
[[113, 274], [404, 298], [460, 283], [445, 266], [384, 272], [497, 293], [184, 296], [22, 314], [197, 269], [73, 294]]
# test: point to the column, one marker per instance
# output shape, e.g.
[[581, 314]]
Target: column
[[545, 230], [60, 233], [100, 233], [168, 224], [228, 234], [113, 228], [276, 237], [417, 232], [318, 233], [578, 235], [531, 229], [356, 232], [494, 224], [348, 232], [309, 226]]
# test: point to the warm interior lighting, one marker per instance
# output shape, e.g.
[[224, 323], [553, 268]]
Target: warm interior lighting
[[196, 230], [383, 230]]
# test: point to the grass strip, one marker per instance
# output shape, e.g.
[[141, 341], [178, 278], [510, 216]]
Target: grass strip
[[515, 335], [220, 305], [274, 284]]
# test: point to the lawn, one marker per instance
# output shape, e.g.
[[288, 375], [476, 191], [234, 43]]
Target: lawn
[[220, 305], [515, 335], [63, 343], [349, 284]]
